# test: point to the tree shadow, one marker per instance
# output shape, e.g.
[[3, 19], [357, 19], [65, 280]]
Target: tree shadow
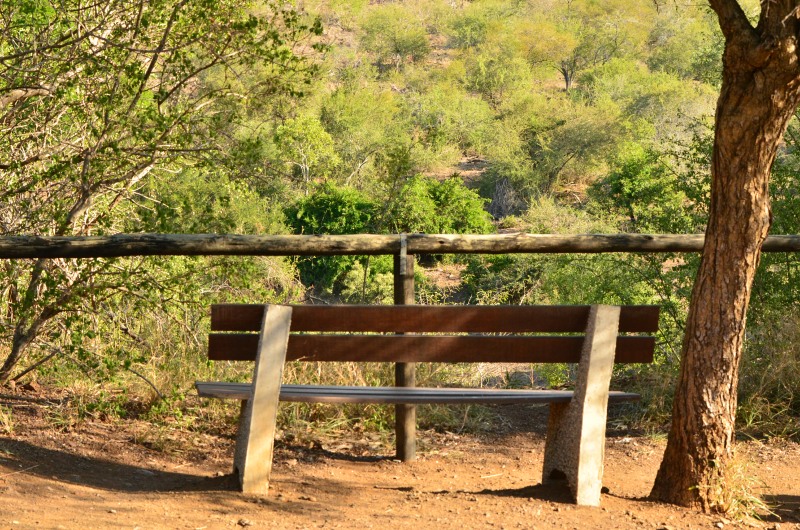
[[556, 491], [20, 457], [105, 474], [317, 453], [786, 508]]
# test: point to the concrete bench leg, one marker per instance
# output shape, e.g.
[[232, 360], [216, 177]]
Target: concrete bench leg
[[576, 431], [257, 424]]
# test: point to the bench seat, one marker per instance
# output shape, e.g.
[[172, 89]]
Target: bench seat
[[393, 395]]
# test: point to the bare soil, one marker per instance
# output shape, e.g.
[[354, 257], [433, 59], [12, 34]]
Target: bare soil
[[130, 474]]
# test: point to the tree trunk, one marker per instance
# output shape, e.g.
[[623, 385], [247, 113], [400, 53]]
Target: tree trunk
[[753, 110], [28, 325]]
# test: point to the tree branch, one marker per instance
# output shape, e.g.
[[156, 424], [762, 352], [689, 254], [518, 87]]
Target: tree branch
[[18, 94], [733, 21]]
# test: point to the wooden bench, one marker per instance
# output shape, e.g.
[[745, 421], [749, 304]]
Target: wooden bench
[[588, 335]]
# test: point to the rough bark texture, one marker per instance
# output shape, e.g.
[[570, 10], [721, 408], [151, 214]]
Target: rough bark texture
[[759, 95]]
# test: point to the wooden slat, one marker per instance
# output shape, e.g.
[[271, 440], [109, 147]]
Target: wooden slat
[[430, 348], [432, 319], [389, 395]]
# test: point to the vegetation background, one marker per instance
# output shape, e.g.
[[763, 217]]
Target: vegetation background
[[345, 116]]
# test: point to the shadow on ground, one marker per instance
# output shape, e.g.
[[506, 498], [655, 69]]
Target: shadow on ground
[[99, 473], [786, 507]]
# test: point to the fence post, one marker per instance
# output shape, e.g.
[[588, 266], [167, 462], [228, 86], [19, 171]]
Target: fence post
[[404, 373]]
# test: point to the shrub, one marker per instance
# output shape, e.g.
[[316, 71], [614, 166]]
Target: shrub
[[330, 210], [427, 205]]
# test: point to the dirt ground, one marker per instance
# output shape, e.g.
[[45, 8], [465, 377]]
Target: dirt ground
[[119, 475]]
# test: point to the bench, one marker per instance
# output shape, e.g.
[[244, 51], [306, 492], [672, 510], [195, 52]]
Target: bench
[[595, 337]]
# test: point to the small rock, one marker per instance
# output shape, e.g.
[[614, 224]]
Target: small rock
[[291, 462], [308, 498], [33, 386], [605, 490], [219, 474], [112, 511], [720, 524], [244, 522]]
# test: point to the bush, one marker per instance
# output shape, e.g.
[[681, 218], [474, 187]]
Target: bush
[[330, 210], [469, 31], [427, 205], [392, 34]]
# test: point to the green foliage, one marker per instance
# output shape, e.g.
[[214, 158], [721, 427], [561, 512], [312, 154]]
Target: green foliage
[[393, 35], [469, 31], [307, 149], [364, 123], [369, 283], [678, 40], [438, 207], [662, 101], [197, 202], [142, 95], [330, 210], [446, 117], [643, 189], [494, 72]]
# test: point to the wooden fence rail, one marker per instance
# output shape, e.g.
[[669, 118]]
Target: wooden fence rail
[[18, 247]]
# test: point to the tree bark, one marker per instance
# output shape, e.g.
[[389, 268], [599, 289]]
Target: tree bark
[[759, 95]]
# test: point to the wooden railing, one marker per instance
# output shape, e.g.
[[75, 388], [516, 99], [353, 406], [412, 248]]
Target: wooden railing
[[17, 247]]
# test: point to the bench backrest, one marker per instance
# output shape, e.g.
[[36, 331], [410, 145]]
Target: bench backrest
[[431, 333]]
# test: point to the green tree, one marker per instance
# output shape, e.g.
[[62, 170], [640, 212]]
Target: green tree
[[655, 105], [643, 189], [395, 36], [494, 72], [330, 210], [307, 148], [95, 100], [759, 95], [676, 38], [584, 38], [431, 206], [573, 141], [469, 31], [363, 122]]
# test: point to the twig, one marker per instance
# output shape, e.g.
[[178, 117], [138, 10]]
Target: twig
[[20, 471], [146, 380], [37, 364]]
